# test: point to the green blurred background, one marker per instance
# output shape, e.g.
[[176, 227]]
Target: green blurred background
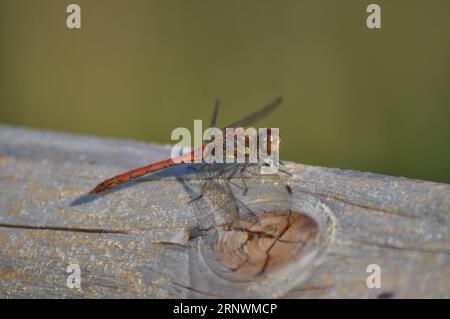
[[372, 100]]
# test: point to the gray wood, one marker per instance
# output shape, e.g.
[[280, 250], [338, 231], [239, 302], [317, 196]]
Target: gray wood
[[137, 241]]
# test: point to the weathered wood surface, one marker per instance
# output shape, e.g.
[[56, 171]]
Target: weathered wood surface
[[134, 242]]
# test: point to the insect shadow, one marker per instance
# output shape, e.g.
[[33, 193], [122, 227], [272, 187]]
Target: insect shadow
[[179, 171]]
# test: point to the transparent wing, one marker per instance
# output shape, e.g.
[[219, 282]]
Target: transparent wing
[[258, 115], [216, 111]]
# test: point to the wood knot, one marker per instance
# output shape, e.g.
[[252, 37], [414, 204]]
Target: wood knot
[[251, 247]]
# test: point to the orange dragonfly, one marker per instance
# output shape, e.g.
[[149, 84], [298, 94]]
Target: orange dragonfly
[[182, 159]]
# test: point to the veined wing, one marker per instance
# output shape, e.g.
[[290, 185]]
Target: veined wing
[[257, 115]]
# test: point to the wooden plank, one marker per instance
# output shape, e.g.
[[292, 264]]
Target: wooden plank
[[138, 242]]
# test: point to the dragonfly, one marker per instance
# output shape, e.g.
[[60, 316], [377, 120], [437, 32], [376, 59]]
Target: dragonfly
[[192, 156], [227, 221]]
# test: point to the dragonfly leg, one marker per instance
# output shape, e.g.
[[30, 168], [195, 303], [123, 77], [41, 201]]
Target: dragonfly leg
[[195, 198], [251, 212], [234, 169], [282, 170], [202, 191], [241, 169], [285, 172], [189, 190], [244, 188]]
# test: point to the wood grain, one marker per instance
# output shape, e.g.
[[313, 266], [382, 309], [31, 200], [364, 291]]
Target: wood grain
[[138, 241]]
